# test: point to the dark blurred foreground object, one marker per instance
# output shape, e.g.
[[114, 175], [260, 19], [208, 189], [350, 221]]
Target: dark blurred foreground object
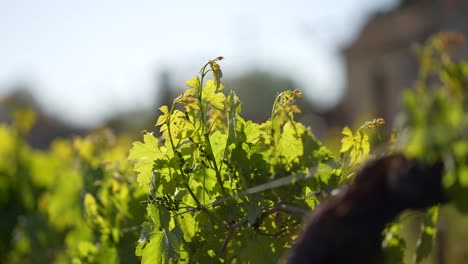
[[348, 228]]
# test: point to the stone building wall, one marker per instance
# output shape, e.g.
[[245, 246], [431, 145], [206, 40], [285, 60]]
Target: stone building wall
[[380, 63]]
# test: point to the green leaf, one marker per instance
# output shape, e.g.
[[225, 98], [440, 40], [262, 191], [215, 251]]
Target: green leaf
[[194, 83], [205, 177], [258, 250], [290, 145], [253, 209], [253, 132], [428, 234], [188, 98], [364, 147], [166, 242], [210, 94], [187, 224], [145, 153], [347, 142], [173, 242], [326, 176], [162, 119], [153, 214], [218, 144], [358, 144], [153, 251]]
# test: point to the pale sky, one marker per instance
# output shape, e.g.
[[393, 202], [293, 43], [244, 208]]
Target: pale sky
[[86, 59]]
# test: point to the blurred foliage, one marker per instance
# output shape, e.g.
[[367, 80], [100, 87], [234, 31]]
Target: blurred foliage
[[435, 116], [434, 124], [76, 202]]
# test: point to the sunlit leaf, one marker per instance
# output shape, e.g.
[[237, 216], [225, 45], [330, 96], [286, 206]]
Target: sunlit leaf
[[153, 251], [194, 83], [145, 153], [347, 142], [162, 119], [210, 94]]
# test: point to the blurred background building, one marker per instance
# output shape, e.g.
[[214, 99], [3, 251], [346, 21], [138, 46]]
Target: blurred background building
[[380, 62]]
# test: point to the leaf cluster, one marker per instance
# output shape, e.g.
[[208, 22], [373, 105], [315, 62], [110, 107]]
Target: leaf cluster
[[221, 188], [77, 202]]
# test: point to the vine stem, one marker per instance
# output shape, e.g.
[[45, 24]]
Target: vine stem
[[206, 133], [280, 207], [168, 123], [275, 103]]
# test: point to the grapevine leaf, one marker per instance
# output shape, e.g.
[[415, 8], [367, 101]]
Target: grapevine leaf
[[210, 94], [258, 250], [312, 145], [253, 210], [188, 224], [165, 241], [290, 144], [161, 178], [173, 240], [218, 144], [154, 250], [358, 144], [364, 147], [188, 98], [252, 131], [162, 119], [428, 234], [153, 214], [194, 83], [311, 200], [145, 153], [206, 178], [145, 233], [326, 176], [347, 141], [180, 127]]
